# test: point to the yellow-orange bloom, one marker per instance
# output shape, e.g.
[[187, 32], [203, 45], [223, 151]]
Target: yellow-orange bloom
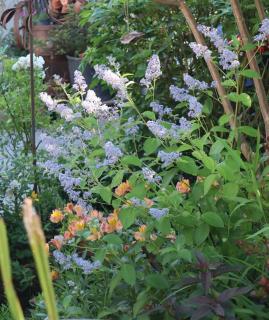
[[47, 248], [54, 275], [56, 216], [149, 202], [79, 210], [140, 235], [112, 223], [69, 208], [76, 226], [95, 235], [123, 188], [34, 196], [183, 186], [96, 214]]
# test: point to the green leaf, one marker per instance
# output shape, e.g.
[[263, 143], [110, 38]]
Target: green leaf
[[151, 145], [127, 216], [141, 300], [201, 233], [229, 83], [248, 73], [157, 281], [248, 47], [185, 255], [208, 182], [245, 99], [252, 132], [164, 226], [224, 119], [128, 274], [117, 179], [112, 239], [131, 160], [115, 281], [233, 96], [188, 165], [213, 219], [104, 192], [149, 114]]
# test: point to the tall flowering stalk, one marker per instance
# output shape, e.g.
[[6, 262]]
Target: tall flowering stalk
[[37, 242], [5, 266]]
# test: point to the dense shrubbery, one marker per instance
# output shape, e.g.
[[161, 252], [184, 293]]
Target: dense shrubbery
[[156, 211]]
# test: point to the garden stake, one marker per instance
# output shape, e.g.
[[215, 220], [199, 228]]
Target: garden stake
[[32, 88], [260, 9], [261, 94], [245, 148]]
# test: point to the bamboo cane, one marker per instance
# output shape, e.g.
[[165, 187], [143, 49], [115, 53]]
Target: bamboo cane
[[260, 9], [260, 90]]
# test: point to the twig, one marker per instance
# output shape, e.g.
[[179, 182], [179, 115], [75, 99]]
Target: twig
[[260, 9]]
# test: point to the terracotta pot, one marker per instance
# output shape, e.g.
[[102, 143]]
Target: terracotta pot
[[41, 39]]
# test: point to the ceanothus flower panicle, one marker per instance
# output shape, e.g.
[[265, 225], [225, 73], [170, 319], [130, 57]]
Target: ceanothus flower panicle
[[113, 153], [158, 213], [79, 82], [153, 71], [200, 50], [194, 84], [150, 175], [168, 157], [263, 31]]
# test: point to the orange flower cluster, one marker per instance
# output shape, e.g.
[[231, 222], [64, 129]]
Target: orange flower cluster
[[183, 186], [123, 188]]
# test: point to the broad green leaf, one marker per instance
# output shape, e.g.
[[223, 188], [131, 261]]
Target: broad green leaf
[[208, 182], [112, 239], [127, 216], [131, 160], [233, 96], [248, 73], [185, 255], [201, 233], [252, 132], [157, 281], [115, 281], [188, 165], [128, 274], [117, 179], [141, 300], [229, 83], [151, 145], [224, 119], [149, 114], [245, 99], [104, 192], [213, 219]]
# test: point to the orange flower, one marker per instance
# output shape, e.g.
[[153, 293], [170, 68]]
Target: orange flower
[[68, 235], [69, 208], [149, 202], [79, 210], [140, 235], [123, 188], [34, 196], [56, 216], [54, 275], [95, 235], [58, 242], [183, 186], [96, 214], [112, 223], [76, 226]]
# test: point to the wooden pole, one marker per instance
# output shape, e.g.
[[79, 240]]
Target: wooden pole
[[260, 90], [32, 89], [260, 9]]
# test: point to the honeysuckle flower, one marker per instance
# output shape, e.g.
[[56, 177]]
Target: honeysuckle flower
[[56, 216], [123, 188], [183, 186], [140, 235]]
